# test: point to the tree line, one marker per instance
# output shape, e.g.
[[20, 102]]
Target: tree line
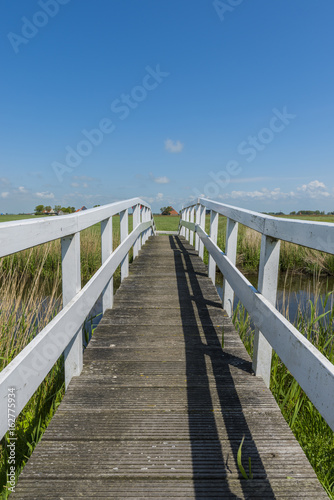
[[41, 209]]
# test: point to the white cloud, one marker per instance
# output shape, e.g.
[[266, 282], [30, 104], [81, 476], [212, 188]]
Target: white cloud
[[75, 185], [161, 180], [45, 194], [152, 199], [173, 146], [149, 199], [4, 194], [22, 189], [314, 189], [84, 178]]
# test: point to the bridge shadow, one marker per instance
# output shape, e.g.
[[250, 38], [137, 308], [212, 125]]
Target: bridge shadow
[[215, 416]]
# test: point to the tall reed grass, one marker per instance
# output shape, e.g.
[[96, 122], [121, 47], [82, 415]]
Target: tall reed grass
[[313, 433], [292, 257]]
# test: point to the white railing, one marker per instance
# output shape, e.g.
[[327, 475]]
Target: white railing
[[310, 368], [64, 333]]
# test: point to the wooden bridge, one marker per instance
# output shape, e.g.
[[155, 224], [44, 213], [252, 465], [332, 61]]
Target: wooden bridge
[[167, 391]]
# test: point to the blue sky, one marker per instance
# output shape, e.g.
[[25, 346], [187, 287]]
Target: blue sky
[[113, 99]]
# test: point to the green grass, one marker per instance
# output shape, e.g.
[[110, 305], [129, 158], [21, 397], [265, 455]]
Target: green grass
[[166, 222], [316, 218], [9, 218]]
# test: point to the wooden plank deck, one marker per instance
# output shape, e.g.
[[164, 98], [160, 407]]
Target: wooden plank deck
[[160, 408]]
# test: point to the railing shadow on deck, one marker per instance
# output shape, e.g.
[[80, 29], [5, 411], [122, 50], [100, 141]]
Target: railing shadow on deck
[[210, 462]]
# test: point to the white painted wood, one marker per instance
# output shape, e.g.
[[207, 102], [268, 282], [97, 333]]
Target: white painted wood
[[34, 232], [189, 225], [231, 254], [71, 284], [317, 235], [124, 226], [183, 229], [309, 367], [197, 220], [29, 368], [152, 228], [106, 251], [191, 219], [213, 236], [187, 219], [145, 220], [140, 222], [202, 225], [136, 221], [267, 285]]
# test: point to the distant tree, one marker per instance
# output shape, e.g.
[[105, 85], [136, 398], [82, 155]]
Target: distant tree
[[68, 210], [293, 213], [96, 206], [48, 208], [57, 208], [166, 210], [39, 209]]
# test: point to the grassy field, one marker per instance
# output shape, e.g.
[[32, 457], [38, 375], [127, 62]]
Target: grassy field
[[9, 218], [166, 222]]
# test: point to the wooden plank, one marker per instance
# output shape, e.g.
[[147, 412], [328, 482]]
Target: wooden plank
[[160, 409], [172, 490]]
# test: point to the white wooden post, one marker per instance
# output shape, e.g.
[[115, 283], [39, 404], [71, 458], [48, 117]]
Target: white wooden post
[[71, 284], [140, 219], [267, 285], [124, 223], [145, 220], [187, 219], [231, 253], [106, 250], [191, 218], [202, 224], [198, 220], [183, 218], [213, 236], [136, 222], [151, 219]]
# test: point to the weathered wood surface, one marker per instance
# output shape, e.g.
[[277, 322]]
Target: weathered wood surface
[[160, 408]]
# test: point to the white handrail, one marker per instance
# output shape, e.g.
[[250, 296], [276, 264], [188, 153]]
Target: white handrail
[[63, 334], [34, 232], [317, 235], [311, 369]]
